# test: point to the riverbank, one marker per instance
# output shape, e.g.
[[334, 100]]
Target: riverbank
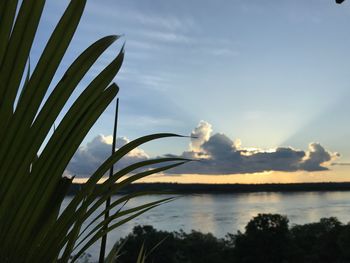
[[228, 188]]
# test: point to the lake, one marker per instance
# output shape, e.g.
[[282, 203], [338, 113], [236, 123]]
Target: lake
[[223, 213]]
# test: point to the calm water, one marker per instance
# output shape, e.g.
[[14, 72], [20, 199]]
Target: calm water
[[220, 214]]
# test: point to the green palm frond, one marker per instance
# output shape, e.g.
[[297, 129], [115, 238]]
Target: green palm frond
[[32, 160]]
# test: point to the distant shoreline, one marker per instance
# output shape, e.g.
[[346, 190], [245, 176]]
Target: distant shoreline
[[179, 188]]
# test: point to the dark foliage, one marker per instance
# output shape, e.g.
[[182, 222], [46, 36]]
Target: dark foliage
[[173, 246], [267, 238], [322, 242]]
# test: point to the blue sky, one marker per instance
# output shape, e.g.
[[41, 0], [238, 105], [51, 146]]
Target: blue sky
[[271, 73]]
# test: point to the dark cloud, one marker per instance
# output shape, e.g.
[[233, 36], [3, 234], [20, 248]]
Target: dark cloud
[[317, 155], [216, 154], [88, 158], [219, 147], [220, 155]]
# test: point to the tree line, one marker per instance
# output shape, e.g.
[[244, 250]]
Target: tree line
[[266, 238], [226, 188]]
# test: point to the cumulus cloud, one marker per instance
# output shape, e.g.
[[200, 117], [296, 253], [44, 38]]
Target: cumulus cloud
[[200, 135], [89, 157], [219, 147], [218, 154], [316, 156]]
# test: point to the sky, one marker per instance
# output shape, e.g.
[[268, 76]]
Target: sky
[[264, 85]]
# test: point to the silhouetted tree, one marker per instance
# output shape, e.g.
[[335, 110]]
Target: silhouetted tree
[[318, 242], [266, 239], [150, 237], [344, 242], [204, 248], [178, 247]]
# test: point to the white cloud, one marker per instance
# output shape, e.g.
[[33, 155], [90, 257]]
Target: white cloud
[[166, 36], [162, 21], [200, 135]]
